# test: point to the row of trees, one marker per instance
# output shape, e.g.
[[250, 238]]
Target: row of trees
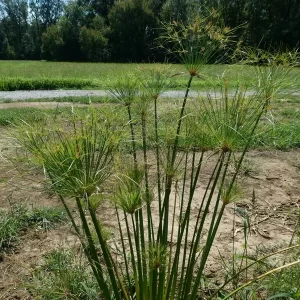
[[127, 30]]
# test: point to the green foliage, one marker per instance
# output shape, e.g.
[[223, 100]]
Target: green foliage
[[270, 69], [77, 158], [106, 75], [52, 43], [165, 258], [56, 24], [10, 226], [132, 25], [44, 83], [20, 218], [16, 115], [63, 275], [93, 44], [197, 43], [284, 284], [282, 136]]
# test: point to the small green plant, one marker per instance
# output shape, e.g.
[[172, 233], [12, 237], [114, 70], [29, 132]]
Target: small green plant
[[63, 275], [15, 115], [298, 164], [20, 218], [10, 227]]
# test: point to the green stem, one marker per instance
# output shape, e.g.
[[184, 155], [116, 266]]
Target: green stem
[[169, 178], [85, 249], [198, 231], [132, 256], [180, 119], [157, 156], [91, 251], [148, 197], [132, 137], [111, 267], [123, 246], [136, 230], [247, 267], [261, 277]]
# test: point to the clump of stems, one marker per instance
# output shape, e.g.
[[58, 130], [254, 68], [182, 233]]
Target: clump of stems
[[163, 248]]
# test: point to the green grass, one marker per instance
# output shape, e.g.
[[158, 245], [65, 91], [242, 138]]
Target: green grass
[[20, 217], [104, 75], [16, 115], [280, 128], [64, 275], [42, 83]]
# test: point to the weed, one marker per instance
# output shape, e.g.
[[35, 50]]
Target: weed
[[298, 164], [64, 275], [10, 227], [19, 218], [15, 115], [80, 157]]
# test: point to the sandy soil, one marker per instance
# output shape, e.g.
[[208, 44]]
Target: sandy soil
[[272, 175]]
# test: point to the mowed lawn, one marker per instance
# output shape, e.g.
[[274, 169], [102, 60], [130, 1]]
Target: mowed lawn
[[105, 75]]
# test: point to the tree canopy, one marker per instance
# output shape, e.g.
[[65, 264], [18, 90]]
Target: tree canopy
[[127, 30]]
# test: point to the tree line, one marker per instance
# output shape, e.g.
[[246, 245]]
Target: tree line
[[127, 30]]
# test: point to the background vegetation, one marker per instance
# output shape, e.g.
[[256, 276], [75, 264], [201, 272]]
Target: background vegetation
[[122, 31]]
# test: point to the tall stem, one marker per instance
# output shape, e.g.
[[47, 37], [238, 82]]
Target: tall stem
[[132, 137], [157, 156], [148, 197], [169, 178]]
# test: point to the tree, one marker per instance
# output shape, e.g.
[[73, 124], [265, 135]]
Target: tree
[[132, 25], [16, 27], [274, 21], [52, 43], [46, 12], [93, 44], [97, 7], [4, 46], [176, 10]]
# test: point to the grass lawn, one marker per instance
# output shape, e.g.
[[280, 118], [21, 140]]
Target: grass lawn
[[104, 75]]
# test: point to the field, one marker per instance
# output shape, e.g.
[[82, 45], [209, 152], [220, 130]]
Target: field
[[105, 75], [41, 255]]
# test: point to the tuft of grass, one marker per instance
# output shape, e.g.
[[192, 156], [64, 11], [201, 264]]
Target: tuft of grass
[[284, 285], [64, 275], [19, 218], [9, 231], [282, 136], [15, 115]]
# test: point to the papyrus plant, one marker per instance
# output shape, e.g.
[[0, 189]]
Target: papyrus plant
[[270, 69], [165, 226]]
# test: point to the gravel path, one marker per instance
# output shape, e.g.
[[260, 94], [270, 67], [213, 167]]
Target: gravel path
[[26, 95], [52, 94]]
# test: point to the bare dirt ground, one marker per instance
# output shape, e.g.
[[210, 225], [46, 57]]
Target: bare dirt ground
[[272, 175]]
